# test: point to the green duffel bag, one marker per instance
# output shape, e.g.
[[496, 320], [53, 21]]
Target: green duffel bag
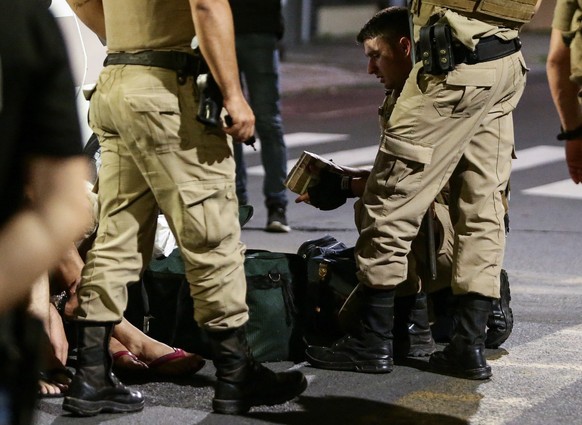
[[275, 286], [274, 289]]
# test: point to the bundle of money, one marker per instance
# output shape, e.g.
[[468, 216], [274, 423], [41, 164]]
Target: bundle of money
[[305, 172]]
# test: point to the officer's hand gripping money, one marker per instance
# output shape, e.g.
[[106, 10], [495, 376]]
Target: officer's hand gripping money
[[331, 192]]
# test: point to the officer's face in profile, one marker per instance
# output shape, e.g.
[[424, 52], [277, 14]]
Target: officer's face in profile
[[389, 61]]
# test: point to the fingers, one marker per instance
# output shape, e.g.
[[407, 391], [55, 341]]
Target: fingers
[[240, 131], [302, 198], [241, 124], [575, 174], [574, 159]]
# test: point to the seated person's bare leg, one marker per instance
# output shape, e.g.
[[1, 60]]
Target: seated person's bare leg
[[164, 359], [55, 378]]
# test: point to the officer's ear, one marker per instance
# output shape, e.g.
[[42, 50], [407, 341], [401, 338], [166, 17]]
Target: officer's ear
[[406, 45]]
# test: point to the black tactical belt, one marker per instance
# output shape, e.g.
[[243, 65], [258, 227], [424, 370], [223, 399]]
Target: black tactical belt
[[181, 62], [488, 49], [440, 52]]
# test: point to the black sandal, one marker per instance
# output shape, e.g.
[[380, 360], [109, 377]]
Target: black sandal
[[60, 377]]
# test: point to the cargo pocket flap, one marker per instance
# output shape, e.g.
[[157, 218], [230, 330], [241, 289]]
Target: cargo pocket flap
[[153, 102], [212, 212], [193, 193], [406, 150], [476, 76]]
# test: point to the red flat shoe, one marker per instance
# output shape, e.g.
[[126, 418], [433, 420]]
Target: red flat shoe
[[177, 363], [125, 364]]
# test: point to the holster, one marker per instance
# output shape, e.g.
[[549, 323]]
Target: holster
[[436, 49]]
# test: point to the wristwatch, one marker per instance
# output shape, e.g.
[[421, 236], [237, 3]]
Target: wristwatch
[[572, 134]]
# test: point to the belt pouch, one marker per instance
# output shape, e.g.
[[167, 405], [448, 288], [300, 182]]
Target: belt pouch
[[444, 48], [424, 44], [436, 49]]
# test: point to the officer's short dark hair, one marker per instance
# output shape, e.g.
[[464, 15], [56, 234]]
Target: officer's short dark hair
[[390, 23]]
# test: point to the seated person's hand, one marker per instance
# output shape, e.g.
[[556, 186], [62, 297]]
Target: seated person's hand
[[330, 192], [57, 335], [67, 274]]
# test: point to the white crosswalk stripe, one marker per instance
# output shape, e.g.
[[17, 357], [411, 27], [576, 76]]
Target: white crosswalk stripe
[[562, 189], [352, 157], [541, 155], [556, 369], [536, 156], [361, 157], [294, 140]]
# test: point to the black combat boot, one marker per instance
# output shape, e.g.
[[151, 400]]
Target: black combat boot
[[444, 306], [463, 357], [500, 323], [242, 382], [369, 348], [95, 388], [412, 334]]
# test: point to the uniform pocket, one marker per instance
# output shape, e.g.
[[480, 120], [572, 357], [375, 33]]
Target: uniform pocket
[[399, 167], [159, 116], [465, 92], [211, 212]]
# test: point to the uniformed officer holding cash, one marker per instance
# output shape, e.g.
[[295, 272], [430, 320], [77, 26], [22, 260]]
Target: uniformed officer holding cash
[[452, 122], [564, 68], [154, 154]]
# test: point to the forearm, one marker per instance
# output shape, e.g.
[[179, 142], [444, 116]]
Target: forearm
[[215, 32], [90, 12], [38, 304], [358, 181], [358, 185], [563, 90], [27, 250], [36, 237]]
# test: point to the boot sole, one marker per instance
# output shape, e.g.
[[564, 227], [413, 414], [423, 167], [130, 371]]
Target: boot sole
[[370, 366], [481, 373], [421, 351], [91, 408], [495, 338], [236, 407]]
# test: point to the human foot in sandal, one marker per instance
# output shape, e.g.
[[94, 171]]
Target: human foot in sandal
[[162, 360], [54, 383], [125, 362], [177, 363]]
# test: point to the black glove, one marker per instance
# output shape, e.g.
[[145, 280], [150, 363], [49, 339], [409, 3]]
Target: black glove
[[331, 191]]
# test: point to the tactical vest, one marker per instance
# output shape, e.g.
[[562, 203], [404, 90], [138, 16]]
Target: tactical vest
[[508, 13]]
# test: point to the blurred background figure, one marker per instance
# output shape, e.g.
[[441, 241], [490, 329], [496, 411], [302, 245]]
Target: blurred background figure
[[41, 151], [259, 27]]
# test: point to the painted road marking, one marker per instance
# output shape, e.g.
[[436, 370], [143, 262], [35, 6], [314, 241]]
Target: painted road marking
[[294, 140], [350, 158], [551, 370], [536, 156], [562, 189], [364, 156]]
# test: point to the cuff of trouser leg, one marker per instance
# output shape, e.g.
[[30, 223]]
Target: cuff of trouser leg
[[476, 300]]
